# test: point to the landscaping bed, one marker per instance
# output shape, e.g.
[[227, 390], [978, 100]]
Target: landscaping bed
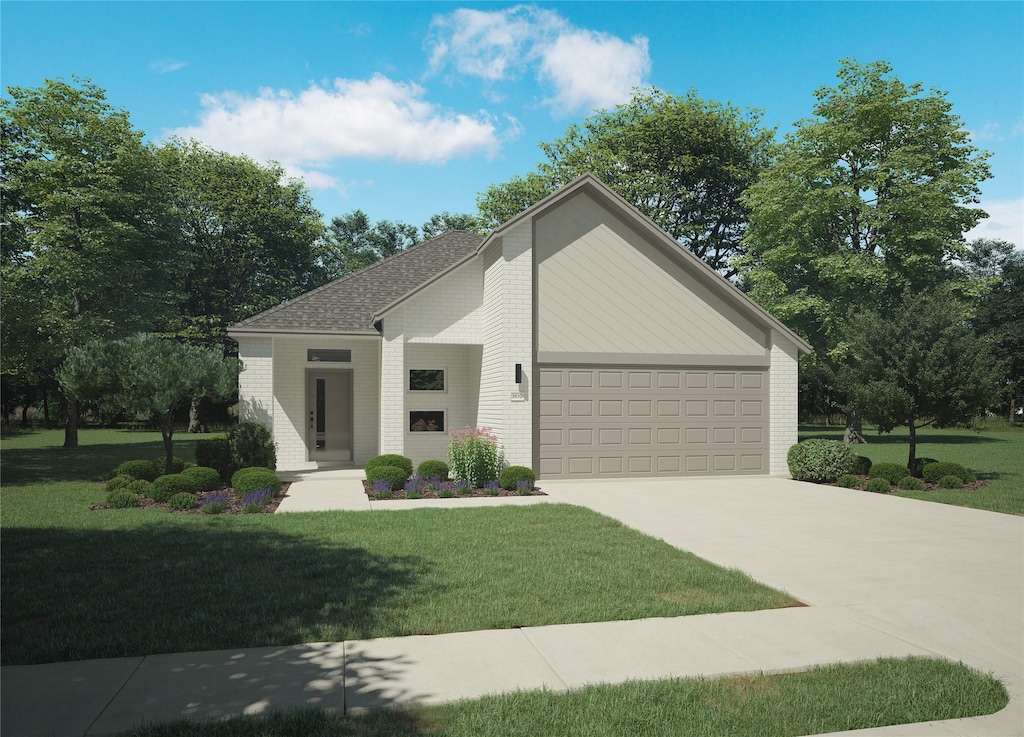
[[445, 493], [970, 486], [234, 504]]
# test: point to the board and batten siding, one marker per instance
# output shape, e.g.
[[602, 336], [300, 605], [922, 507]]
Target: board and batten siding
[[602, 288]]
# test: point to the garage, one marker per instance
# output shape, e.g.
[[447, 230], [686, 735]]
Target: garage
[[615, 421]]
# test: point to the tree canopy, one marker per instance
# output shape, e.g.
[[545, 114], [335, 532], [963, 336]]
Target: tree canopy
[[682, 161]]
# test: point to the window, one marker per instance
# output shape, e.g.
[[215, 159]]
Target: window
[[341, 355], [426, 380], [426, 420]]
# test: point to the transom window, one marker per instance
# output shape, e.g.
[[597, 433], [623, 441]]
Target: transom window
[[426, 380], [332, 355]]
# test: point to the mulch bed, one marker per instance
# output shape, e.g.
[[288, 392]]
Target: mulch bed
[[927, 487], [400, 494], [234, 504]]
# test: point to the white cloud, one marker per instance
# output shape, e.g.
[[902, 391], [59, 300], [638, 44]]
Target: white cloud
[[163, 66], [994, 132], [1005, 222], [370, 119], [583, 69]]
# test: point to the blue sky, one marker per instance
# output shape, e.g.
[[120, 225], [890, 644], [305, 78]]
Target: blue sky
[[407, 109]]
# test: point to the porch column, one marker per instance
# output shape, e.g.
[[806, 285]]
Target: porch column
[[392, 386]]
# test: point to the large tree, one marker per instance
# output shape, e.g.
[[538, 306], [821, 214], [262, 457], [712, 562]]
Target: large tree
[[1000, 317], [867, 199], [86, 228], [151, 375], [682, 161], [918, 365], [353, 243]]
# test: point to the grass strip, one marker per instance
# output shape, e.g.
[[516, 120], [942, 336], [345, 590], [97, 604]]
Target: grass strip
[[825, 699]]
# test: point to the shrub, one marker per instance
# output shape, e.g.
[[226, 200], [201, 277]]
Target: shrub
[[122, 499], [412, 493], [118, 482], [139, 469], [140, 487], [414, 485], [463, 487], [917, 467], [390, 459], [254, 501], [183, 500], [177, 465], [207, 479], [173, 483], [492, 487], [511, 476], [381, 489], [910, 483], [861, 465], [934, 472], [393, 475], [820, 461], [215, 502], [216, 453], [951, 482], [891, 472], [849, 481], [474, 454], [879, 484], [245, 480], [252, 446], [433, 470]]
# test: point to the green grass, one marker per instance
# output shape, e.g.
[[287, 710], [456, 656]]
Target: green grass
[[996, 456], [82, 584], [825, 699]]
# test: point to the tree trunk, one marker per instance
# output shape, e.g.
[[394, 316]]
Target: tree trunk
[[46, 407], [71, 424], [167, 431], [193, 416], [854, 428], [913, 442]]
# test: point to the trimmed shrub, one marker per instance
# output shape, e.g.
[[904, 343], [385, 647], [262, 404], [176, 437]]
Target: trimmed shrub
[[910, 483], [122, 499], [245, 480], [216, 453], [820, 461], [182, 501], [141, 487], [207, 479], [848, 481], [879, 484], [891, 472], [433, 470], [510, 477], [139, 469], [177, 465], [917, 467], [255, 501], [118, 482], [173, 483], [934, 472], [861, 465], [252, 446], [394, 476], [390, 459], [951, 482]]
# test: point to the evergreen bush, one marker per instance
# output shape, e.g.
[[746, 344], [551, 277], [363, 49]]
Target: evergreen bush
[[820, 461], [390, 459], [951, 482], [848, 481], [207, 479], [140, 469], [433, 470], [910, 483], [173, 483], [182, 501], [122, 499], [245, 480], [510, 477], [879, 484], [216, 453], [934, 472], [891, 472], [393, 475]]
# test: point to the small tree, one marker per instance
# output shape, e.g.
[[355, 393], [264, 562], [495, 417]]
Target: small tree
[[921, 365], [147, 374]]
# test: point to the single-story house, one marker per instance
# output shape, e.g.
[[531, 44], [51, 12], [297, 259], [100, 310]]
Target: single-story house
[[587, 339]]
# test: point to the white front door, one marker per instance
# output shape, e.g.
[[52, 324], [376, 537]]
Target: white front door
[[329, 415]]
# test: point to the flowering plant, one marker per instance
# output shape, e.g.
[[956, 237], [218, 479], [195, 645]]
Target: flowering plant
[[474, 455]]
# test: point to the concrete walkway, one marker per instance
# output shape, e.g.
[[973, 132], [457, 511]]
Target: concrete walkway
[[883, 577]]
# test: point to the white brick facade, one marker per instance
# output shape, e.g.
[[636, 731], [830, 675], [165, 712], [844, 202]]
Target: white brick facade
[[392, 385], [256, 382], [517, 345], [783, 398]]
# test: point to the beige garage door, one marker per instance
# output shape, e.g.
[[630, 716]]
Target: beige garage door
[[614, 421]]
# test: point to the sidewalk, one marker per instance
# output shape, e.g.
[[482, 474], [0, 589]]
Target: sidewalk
[[883, 577]]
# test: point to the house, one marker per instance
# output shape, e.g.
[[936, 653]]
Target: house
[[590, 341]]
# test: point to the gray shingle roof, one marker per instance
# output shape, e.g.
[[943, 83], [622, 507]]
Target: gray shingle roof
[[348, 304]]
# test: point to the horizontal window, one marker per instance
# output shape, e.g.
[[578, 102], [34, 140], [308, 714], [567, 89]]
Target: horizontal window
[[426, 380], [428, 420], [340, 355]]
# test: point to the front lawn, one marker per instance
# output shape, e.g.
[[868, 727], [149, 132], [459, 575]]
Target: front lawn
[[996, 456], [825, 699], [82, 584]]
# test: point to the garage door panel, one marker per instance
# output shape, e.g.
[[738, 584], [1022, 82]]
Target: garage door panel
[[611, 421]]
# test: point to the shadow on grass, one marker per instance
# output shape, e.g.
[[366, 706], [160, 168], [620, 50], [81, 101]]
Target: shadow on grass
[[88, 462], [808, 432], [158, 588]]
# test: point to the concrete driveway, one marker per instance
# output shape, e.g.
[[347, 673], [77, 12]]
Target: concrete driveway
[[946, 579]]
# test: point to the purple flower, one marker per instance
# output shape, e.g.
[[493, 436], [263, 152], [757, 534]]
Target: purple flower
[[257, 496], [381, 487], [414, 484], [218, 497], [523, 485]]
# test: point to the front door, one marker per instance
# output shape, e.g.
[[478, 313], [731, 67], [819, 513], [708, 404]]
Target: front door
[[329, 415]]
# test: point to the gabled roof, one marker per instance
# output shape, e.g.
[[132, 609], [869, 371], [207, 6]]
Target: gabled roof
[[347, 305]]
